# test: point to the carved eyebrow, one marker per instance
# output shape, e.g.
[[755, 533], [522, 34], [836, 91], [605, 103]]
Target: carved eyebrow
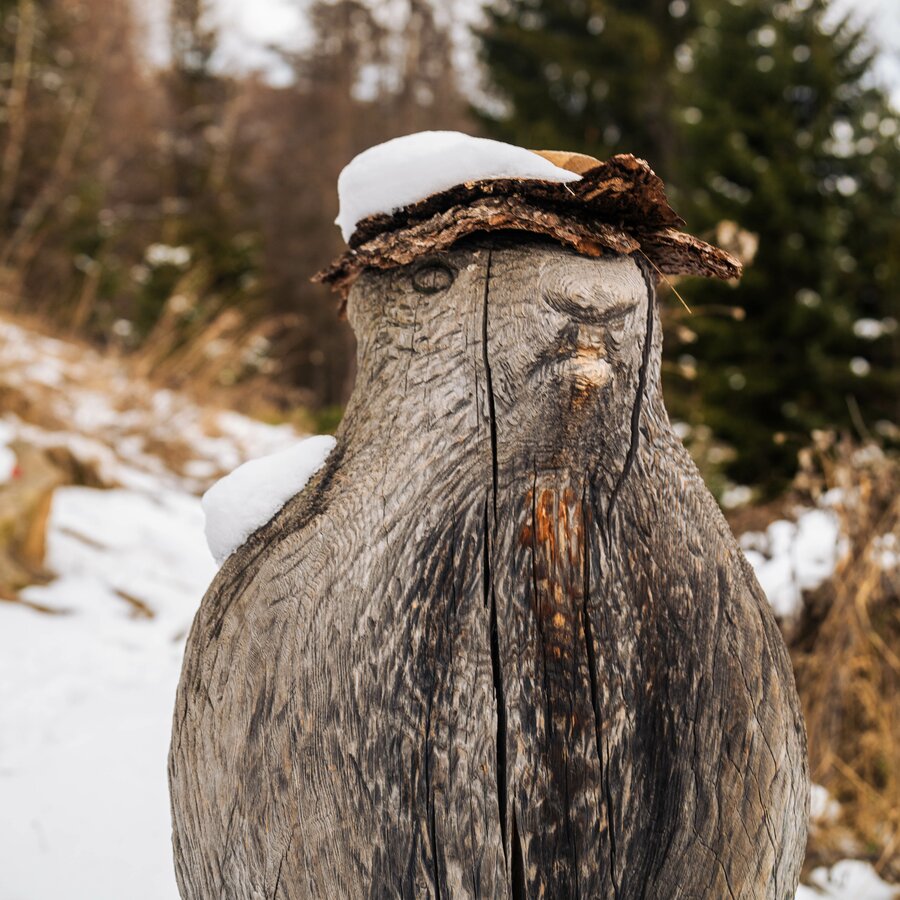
[[590, 299]]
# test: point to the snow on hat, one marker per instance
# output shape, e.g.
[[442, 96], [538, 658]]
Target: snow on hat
[[423, 192]]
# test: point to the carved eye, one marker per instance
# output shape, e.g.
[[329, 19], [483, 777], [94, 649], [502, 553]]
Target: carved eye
[[432, 277]]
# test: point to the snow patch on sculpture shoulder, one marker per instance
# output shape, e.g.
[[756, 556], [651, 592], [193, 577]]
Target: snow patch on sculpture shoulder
[[407, 169], [250, 496]]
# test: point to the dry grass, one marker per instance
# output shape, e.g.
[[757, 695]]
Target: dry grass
[[218, 353], [847, 657]]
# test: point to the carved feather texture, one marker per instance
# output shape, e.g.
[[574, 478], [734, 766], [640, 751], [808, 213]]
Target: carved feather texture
[[482, 654]]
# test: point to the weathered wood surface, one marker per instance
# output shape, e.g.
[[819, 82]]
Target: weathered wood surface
[[504, 644]]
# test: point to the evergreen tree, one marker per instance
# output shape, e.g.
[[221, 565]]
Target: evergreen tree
[[785, 134], [588, 75]]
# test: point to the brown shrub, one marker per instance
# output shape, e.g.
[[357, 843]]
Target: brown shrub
[[846, 655]]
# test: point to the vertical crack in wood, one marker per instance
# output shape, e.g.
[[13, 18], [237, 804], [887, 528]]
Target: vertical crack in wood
[[287, 850], [278, 878], [595, 703], [501, 712], [429, 799], [431, 822], [610, 827], [492, 411], [486, 556], [573, 690], [638, 402], [496, 665]]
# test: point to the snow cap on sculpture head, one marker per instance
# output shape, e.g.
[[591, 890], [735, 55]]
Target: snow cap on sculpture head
[[423, 192]]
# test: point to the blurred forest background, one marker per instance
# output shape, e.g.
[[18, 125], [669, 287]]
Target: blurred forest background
[[162, 209], [177, 210]]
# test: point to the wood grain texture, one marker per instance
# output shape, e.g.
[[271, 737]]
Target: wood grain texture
[[503, 644]]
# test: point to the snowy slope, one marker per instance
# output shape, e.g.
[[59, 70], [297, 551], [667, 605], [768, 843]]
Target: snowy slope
[[849, 879], [86, 697], [87, 687]]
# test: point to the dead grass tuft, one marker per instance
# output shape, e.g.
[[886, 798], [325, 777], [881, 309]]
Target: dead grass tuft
[[846, 654]]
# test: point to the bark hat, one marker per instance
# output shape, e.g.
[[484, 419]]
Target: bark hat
[[423, 192]]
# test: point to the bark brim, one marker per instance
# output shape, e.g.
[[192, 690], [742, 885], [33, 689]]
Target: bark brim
[[618, 206]]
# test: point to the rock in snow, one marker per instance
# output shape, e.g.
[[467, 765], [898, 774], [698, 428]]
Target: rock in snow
[[248, 498], [407, 169]]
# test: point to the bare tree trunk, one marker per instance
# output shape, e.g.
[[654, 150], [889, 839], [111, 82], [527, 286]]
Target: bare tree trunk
[[21, 246], [504, 644], [16, 106]]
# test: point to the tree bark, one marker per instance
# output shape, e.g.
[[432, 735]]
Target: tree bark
[[504, 644]]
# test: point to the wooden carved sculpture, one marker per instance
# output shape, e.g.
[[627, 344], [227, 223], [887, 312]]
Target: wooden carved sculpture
[[504, 643]]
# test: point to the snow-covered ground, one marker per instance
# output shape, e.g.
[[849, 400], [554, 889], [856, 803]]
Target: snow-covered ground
[[125, 430], [87, 685], [86, 697], [849, 879]]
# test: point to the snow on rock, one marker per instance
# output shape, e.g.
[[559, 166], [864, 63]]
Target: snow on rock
[[850, 879], [792, 557], [250, 496], [407, 169]]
